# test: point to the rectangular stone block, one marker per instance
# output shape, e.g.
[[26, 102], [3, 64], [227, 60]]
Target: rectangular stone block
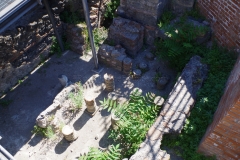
[[142, 11]]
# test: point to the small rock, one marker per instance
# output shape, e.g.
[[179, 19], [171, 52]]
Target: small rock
[[206, 23], [137, 73], [96, 138], [149, 56], [162, 82], [143, 66]]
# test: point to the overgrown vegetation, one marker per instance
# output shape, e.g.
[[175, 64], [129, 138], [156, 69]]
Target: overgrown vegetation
[[77, 97], [136, 118], [134, 124], [71, 17], [178, 48], [180, 44], [55, 47], [113, 153], [111, 8], [100, 35]]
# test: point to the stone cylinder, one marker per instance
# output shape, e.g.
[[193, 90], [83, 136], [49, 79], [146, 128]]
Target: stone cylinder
[[109, 82], [69, 133], [127, 65], [90, 103]]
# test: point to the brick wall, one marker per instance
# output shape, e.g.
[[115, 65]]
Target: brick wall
[[224, 16], [223, 135]]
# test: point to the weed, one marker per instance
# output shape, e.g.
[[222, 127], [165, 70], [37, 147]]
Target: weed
[[55, 48], [114, 107], [100, 35], [111, 9], [180, 45], [156, 77], [46, 132], [135, 122], [112, 153], [77, 97]]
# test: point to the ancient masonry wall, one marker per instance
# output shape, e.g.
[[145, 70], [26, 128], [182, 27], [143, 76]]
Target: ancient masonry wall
[[223, 135], [224, 16]]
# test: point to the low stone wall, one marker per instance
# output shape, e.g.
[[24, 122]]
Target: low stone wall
[[115, 57], [175, 111]]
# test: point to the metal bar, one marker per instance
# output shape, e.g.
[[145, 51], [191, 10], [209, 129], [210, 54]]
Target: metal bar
[[59, 39], [6, 153], [87, 19]]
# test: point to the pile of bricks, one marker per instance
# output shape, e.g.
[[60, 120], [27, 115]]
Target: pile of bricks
[[115, 57], [128, 34]]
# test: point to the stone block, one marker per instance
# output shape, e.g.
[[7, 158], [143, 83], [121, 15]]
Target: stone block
[[181, 6], [142, 11], [129, 34]]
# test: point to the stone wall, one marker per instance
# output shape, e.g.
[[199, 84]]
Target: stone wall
[[225, 22], [96, 8], [142, 11], [23, 46], [115, 57], [222, 137]]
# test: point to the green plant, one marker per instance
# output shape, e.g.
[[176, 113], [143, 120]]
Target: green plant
[[77, 96], [111, 8], [46, 132], [135, 122], [114, 107], [220, 63], [71, 17], [55, 48], [100, 35], [180, 45], [112, 153], [166, 19], [156, 77]]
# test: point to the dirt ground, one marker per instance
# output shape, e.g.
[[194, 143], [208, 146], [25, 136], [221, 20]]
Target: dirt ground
[[37, 92]]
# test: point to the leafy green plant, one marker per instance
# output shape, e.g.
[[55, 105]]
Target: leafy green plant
[[156, 77], [220, 63], [112, 153], [111, 8], [166, 19], [77, 97], [100, 35], [55, 48], [71, 17], [135, 122], [46, 132], [180, 45], [114, 107]]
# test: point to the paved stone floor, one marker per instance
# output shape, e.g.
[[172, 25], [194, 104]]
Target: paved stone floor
[[37, 92]]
